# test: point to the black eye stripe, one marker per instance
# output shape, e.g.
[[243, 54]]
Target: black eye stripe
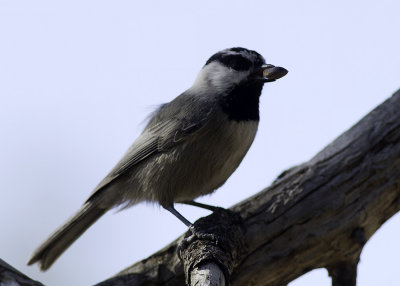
[[237, 62]]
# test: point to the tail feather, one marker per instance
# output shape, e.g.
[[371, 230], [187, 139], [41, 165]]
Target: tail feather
[[62, 238]]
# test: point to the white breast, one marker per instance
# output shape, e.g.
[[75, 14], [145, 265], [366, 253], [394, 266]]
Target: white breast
[[239, 137]]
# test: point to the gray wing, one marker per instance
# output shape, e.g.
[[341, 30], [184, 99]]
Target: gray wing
[[169, 126]]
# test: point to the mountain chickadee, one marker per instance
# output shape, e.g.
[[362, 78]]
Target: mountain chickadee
[[189, 148]]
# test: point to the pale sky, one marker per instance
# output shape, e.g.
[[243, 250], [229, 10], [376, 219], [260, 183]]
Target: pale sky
[[78, 78]]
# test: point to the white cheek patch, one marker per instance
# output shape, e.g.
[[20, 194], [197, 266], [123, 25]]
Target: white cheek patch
[[219, 77]]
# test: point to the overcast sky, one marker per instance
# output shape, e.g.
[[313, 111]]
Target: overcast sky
[[77, 79]]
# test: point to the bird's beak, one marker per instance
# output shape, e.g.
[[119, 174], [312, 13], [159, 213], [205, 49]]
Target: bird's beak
[[271, 72]]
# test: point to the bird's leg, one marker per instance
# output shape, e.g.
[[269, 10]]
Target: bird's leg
[[172, 210], [200, 205]]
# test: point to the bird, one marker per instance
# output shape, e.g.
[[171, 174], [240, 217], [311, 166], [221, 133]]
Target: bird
[[189, 147]]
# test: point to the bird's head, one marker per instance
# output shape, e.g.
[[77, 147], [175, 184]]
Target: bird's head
[[236, 66]]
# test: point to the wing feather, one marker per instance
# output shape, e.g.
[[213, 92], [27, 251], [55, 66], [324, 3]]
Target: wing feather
[[163, 132]]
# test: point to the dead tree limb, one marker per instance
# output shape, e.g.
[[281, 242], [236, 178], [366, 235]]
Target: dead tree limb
[[319, 214]]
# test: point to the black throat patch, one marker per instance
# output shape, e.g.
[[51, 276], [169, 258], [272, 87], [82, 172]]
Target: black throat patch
[[242, 102]]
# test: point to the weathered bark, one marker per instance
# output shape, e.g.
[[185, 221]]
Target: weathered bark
[[218, 239], [11, 276], [319, 214]]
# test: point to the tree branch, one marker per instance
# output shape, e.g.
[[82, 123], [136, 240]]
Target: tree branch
[[319, 214]]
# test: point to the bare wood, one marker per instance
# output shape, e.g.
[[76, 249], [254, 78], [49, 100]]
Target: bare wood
[[315, 215], [209, 274]]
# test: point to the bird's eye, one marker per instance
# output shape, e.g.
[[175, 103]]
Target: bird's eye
[[236, 62]]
